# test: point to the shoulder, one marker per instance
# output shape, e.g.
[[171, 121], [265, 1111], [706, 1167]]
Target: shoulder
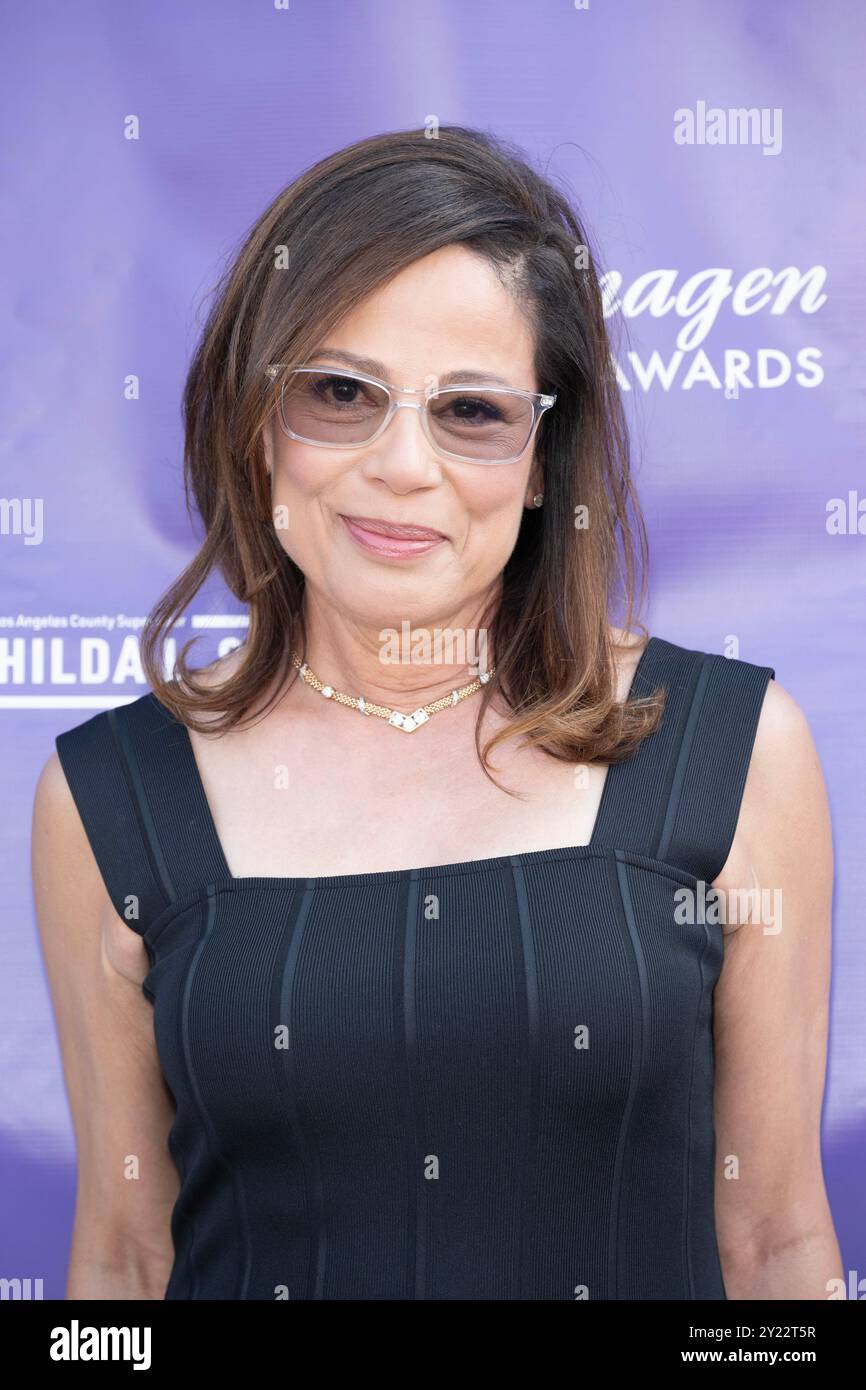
[[64, 869], [783, 729], [785, 769], [784, 823], [91, 755], [61, 848], [746, 696], [53, 804], [81, 791], [676, 655], [101, 722], [90, 820]]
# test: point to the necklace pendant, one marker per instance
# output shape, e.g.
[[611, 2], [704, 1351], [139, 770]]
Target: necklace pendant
[[409, 722]]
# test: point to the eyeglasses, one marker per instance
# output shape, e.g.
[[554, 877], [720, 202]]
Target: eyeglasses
[[339, 409]]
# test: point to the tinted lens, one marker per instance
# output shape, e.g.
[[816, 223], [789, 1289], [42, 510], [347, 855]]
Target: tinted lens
[[327, 407], [484, 425], [332, 409]]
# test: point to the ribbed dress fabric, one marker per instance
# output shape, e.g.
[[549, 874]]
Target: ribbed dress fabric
[[482, 1080]]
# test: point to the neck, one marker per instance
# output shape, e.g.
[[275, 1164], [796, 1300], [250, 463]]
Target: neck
[[402, 665]]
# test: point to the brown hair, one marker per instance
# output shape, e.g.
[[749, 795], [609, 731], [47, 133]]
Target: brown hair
[[342, 229]]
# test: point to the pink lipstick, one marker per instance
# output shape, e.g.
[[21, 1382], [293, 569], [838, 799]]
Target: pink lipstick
[[391, 539]]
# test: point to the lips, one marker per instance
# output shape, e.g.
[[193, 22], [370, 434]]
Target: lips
[[397, 530], [391, 540]]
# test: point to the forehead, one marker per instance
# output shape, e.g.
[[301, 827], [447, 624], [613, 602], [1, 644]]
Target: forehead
[[445, 311]]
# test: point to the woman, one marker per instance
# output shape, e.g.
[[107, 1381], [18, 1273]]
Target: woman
[[347, 1014]]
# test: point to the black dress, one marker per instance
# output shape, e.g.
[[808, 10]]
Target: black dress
[[481, 1080]]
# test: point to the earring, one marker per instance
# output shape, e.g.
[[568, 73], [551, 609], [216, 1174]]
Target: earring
[[538, 499]]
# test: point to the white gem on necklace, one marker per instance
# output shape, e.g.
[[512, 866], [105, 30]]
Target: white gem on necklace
[[407, 722]]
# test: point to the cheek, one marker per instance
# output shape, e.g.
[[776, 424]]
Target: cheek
[[303, 476], [491, 509], [303, 471], [491, 490]]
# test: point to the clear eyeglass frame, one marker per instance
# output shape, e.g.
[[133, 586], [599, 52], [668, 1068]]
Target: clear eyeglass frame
[[539, 400]]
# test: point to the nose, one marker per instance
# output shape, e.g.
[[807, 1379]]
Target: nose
[[403, 456]]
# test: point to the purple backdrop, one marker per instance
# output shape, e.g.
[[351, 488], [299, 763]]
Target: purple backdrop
[[114, 240]]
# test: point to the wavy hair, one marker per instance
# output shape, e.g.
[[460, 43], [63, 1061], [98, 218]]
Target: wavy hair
[[340, 230]]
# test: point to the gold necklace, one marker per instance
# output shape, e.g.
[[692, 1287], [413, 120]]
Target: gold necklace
[[407, 722]]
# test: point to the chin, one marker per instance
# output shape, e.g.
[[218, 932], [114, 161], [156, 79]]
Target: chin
[[399, 599]]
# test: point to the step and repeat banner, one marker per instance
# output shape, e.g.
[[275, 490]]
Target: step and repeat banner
[[715, 153]]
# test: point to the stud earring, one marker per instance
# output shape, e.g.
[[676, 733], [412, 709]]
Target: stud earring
[[538, 499]]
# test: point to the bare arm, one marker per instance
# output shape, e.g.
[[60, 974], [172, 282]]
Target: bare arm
[[121, 1108], [775, 1230]]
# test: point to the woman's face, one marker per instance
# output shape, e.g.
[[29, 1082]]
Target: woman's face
[[445, 312]]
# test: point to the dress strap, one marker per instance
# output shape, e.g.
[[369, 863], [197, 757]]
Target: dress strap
[[678, 798], [132, 774]]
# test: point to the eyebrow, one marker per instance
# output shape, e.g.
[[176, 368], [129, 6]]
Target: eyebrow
[[471, 375]]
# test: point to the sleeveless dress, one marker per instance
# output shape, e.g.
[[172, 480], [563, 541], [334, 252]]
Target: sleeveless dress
[[489, 1079]]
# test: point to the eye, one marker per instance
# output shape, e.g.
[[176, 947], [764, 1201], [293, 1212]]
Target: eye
[[473, 407], [479, 410], [344, 389], [333, 394]]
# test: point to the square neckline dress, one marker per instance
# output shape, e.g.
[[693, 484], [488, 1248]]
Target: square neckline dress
[[490, 1079]]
